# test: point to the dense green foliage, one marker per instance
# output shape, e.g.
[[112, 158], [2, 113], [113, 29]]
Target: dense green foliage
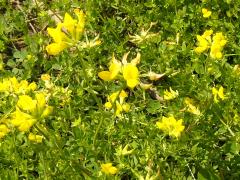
[[81, 134]]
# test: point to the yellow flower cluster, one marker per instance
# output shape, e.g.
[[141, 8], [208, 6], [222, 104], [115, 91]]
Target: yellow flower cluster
[[171, 126], [218, 93], [3, 130], [68, 33], [120, 105], [108, 168], [216, 43], [12, 85], [29, 110], [129, 71]]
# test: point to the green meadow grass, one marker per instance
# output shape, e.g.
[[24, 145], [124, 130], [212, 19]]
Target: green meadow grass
[[80, 134]]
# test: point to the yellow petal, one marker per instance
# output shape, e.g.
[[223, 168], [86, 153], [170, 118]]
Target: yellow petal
[[130, 72], [56, 33], [55, 48], [132, 83], [69, 23], [105, 75]]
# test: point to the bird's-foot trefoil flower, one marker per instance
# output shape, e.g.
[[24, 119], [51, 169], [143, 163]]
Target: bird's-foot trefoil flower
[[35, 138], [215, 43], [29, 111], [127, 70], [206, 13], [170, 126], [68, 33], [170, 94], [4, 130], [191, 108], [108, 169], [117, 101], [218, 94], [204, 41]]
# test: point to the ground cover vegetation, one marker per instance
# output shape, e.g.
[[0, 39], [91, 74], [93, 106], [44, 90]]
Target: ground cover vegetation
[[116, 89]]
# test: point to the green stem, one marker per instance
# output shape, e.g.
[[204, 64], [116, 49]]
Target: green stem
[[41, 131]]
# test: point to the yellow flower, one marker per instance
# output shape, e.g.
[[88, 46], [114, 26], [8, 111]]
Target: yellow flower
[[218, 93], [131, 74], [11, 85], [204, 41], [207, 35], [35, 138], [144, 35], [191, 108], [171, 126], [168, 95], [216, 44], [206, 13], [129, 70], [22, 120], [55, 48], [114, 69], [118, 99], [219, 42], [45, 77], [26, 103], [29, 110], [3, 130], [67, 33], [108, 169]]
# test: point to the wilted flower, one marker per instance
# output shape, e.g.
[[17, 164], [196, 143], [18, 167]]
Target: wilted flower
[[124, 151], [154, 76], [144, 35]]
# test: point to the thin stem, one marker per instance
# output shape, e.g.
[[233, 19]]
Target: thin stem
[[41, 131]]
